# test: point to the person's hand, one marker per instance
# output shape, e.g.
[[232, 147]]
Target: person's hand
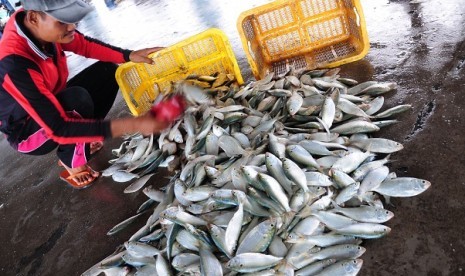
[[142, 55], [169, 110]]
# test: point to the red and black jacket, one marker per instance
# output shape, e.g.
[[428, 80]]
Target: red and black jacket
[[30, 79]]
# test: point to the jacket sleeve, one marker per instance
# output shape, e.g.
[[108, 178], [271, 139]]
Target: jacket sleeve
[[96, 49], [26, 85]]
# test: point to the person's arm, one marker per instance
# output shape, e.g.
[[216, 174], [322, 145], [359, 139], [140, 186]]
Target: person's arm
[[96, 49], [145, 124], [26, 86]]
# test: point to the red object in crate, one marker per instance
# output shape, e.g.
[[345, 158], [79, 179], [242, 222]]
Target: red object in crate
[[169, 110]]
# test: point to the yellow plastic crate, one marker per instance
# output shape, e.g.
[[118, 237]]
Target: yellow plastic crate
[[204, 54], [305, 34]]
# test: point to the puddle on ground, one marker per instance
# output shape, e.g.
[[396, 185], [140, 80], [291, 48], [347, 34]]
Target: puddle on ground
[[423, 116]]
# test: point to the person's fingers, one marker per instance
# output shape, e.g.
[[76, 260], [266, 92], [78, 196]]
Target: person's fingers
[[142, 55], [153, 49], [147, 60], [137, 57]]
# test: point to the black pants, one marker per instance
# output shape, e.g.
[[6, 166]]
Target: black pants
[[91, 94]]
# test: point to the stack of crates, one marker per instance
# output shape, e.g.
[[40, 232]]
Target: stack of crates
[[284, 34]]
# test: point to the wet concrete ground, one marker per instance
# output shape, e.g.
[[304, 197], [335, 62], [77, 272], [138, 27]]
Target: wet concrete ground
[[47, 228]]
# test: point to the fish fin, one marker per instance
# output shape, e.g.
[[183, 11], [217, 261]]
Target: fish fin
[[387, 200], [304, 213], [286, 265], [331, 172], [324, 125], [360, 196], [335, 205]]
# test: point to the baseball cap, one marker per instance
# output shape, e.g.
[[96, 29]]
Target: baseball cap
[[67, 11]]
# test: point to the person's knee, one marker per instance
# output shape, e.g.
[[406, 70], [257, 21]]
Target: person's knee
[[107, 69], [77, 99], [106, 72]]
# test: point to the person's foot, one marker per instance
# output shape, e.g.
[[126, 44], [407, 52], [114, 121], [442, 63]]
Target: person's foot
[[79, 177], [83, 175]]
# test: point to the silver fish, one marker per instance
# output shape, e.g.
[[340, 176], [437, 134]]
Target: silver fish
[[366, 213], [138, 184], [252, 262], [259, 238], [344, 267], [365, 230], [123, 176], [402, 187]]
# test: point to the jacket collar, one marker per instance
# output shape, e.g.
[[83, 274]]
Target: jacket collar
[[26, 34]]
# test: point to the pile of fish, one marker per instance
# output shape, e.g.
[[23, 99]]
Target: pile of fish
[[280, 176]]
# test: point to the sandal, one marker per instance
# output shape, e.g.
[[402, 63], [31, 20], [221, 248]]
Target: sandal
[[69, 178]]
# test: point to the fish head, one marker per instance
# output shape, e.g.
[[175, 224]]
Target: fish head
[[353, 266], [383, 214], [422, 185]]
